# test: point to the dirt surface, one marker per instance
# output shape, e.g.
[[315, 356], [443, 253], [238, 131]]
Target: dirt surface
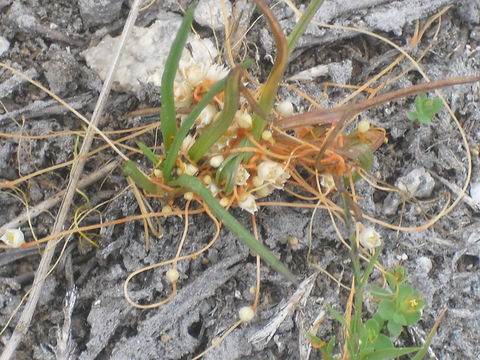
[[46, 40]]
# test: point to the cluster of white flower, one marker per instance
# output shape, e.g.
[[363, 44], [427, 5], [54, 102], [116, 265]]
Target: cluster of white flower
[[196, 74], [13, 238], [369, 238]]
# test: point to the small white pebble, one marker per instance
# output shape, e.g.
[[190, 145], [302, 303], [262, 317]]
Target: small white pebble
[[424, 265], [172, 275], [285, 108], [363, 126], [216, 161], [246, 314], [13, 238], [164, 338], [475, 192]]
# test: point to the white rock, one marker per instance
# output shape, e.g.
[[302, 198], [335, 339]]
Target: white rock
[[424, 265], [145, 53], [209, 13], [475, 192], [418, 183], [4, 45]]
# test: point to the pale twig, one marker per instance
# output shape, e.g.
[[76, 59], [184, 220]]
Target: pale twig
[[77, 168]]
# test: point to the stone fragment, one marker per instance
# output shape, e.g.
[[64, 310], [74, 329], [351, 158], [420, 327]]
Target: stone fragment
[[209, 13], [61, 72], [99, 12], [418, 183], [4, 45], [424, 265], [145, 53]]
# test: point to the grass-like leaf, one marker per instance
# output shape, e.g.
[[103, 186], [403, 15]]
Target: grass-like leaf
[[214, 131], [303, 23], [148, 153], [168, 122], [130, 169], [232, 224], [186, 126]]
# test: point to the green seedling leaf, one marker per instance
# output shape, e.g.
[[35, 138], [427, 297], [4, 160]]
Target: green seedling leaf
[[130, 169], [154, 159], [315, 341], [386, 309], [214, 131], [337, 316], [396, 277], [227, 172], [383, 342], [394, 328], [302, 24], [232, 224], [392, 353], [168, 121], [187, 124], [373, 330], [425, 108], [399, 318], [380, 293]]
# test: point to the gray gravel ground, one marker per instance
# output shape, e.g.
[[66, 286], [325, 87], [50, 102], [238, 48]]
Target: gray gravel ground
[[47, 41]]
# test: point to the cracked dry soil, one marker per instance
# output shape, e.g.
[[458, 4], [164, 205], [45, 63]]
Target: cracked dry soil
[[45, 40]]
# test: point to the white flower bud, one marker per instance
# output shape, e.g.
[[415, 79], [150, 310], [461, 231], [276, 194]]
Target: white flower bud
[[207, 179], [369, 238], [216, 161], [264, 191], [257, 181], [194, 75], [267, 135], [13, 238], [213, 189], [191, 170], [242, 176], [167, 209], [285, 108], [273, 173], [327, 182], [182, 94], [206, 116], [246, 314], [363, 126], [187, 143], [172, 275], [244, 120], [247, 203], [224, 201]]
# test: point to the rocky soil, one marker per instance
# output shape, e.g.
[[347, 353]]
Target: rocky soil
[[52, 42]]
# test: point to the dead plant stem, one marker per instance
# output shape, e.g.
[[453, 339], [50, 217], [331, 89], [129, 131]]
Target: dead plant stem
[[77, 169]]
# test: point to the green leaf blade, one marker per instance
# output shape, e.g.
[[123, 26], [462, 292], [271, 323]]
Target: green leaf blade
[[168, 121]]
